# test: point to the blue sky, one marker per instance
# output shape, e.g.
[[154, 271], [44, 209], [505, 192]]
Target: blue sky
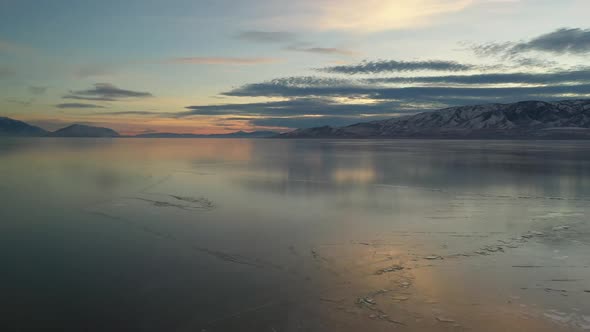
[[218, 66]]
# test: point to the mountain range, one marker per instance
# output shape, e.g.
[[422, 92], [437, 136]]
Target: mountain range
[[523, 120], [14, 128], [238, 134], [78, 130], [568, 119]]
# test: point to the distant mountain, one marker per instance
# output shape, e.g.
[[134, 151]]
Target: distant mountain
[[77, 130], [238, 134], [10, 127], [522, 120]]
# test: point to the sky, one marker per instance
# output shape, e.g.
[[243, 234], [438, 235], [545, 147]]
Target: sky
[[218, 66]]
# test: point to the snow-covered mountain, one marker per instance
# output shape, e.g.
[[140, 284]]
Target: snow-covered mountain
[[527, 119]]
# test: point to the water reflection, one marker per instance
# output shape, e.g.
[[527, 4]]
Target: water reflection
[[293, 234]]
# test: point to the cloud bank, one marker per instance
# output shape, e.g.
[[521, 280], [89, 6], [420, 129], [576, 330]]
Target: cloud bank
[[77, 105], [106, 92], [387, 66], [562, 41]]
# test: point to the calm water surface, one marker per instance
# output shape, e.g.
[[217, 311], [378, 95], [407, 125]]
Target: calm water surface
[[294, 235]]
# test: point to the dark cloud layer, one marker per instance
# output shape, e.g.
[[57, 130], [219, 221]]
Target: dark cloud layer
[[482, 95], [322, 97], [272, 89], [448, 94], [574, 41], [385, 66], [106, 92], [296, 107], [308, 122], [310, 101], [576, 76], [581, 75], [77, 105], [561, 41]]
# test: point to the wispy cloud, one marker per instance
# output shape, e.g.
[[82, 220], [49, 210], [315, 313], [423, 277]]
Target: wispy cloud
[[21, 102], [77, 105], [37, 90], [384, 66], [296, 44], [322, 50], [267, 36], [94, 70], [149, 113], [106, 92], [6, 72], [236, 61]]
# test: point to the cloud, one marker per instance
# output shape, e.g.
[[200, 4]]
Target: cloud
[[78, 105], [25, 103], [314, 101], [529, 62], [6, 72], [576, 76], [266, 36], [561, 41], [106, 92], [308, 122], [236, 61], [322, 50], [383, 66], [37, 90], [278, 37], [274, 89], [311, 81], [75, 97], [475, 80], [134, 113], [491, 49], [94, 70], [443, 94], [296, 107], [483, 95], [304, 112]]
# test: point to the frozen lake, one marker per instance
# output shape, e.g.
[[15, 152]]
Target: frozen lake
[[294, 235]]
